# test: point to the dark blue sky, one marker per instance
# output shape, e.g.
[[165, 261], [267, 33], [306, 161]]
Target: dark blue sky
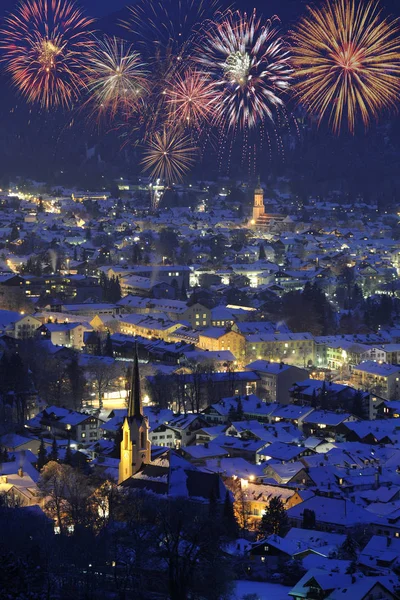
[[286, 9]]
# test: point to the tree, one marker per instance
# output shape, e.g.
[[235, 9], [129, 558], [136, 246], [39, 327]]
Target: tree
[[103, 376], [349, 549], [108, 346], [14, 235], [274, 519], [51, 486], [68, 453], [229, 521], [308, 519], [77, 382], [42, 456], [53, 456], [357, 405], [262, 255]]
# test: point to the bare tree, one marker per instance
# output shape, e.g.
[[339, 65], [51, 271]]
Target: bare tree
[[103, 376]]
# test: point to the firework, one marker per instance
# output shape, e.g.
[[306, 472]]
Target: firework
[[168, 155], [117, 79], [165, 28], [44, 44], [191, 99], [248, 64], [347, 58]]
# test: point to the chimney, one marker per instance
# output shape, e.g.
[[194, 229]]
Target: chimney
[[21, 472], [376, 480]]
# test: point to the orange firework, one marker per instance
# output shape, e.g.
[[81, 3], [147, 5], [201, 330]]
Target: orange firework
[[169, 155], [347, 61], [191, 99], [45, 43]]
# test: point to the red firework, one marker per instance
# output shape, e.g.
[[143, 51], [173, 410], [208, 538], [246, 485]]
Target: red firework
[[191, 99], [45, 44]]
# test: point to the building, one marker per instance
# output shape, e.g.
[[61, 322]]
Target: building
[[69, 335], [381, 379], [276, 379], [135, 444], [217, 339]]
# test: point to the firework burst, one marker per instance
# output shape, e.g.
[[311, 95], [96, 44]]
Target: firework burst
[[117, 79], [248, 64], [169, 155], [166, 28], [190, 99], [45, 43], [347, 60]]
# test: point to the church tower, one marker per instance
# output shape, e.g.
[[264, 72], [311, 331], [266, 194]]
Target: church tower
[[258, 206], [135, 444]]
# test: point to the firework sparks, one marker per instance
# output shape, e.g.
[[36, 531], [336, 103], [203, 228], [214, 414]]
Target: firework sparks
[[191, 99], [347, 58], [44, 45], [249, 66], [165, 28], [168, 155], [117, 79]]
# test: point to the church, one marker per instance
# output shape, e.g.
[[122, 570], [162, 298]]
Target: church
[[159, 471], [260, 218]]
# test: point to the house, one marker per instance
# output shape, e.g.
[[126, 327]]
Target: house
[[331, 514], [82, 427], [70, 335], [288, 473], [18, 479], [323, 422], [276, 379], [216, 338], [251, 406], [180, 431], [381, 379], [289, 348], [330, 585]]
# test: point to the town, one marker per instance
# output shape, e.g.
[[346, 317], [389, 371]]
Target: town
[[216, 382]]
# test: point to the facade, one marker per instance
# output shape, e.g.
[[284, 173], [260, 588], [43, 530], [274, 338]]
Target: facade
[[276, 380], [380, 379], [220, 339]]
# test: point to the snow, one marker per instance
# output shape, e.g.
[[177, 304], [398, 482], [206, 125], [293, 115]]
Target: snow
[[265, 591]]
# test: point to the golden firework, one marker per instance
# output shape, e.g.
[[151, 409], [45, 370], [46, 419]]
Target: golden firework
[[347, 61]]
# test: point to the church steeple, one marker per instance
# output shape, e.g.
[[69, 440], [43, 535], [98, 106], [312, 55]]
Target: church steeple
[[135, 444], [135, 409]]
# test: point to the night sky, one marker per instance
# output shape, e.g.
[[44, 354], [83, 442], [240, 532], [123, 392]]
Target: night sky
[[362, 161]]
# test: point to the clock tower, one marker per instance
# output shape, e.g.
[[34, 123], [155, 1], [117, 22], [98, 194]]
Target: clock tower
[[135, 444]]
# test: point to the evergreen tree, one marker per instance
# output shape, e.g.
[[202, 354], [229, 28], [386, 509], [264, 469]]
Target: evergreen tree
[[262, 255], [14, 235], [40, 205], [349, 549], [229, 521], [99, 351], [42, 455], [314, 400], [308, 519], [357, 405], [108, 347], [88, 233], [54, 451], [68, 453], [239, 411], [274, 519], [183, 291]]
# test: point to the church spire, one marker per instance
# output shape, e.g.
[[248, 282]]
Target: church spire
[[135, 400]]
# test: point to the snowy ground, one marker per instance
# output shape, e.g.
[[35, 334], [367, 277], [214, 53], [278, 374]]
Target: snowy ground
[[264, 591]]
